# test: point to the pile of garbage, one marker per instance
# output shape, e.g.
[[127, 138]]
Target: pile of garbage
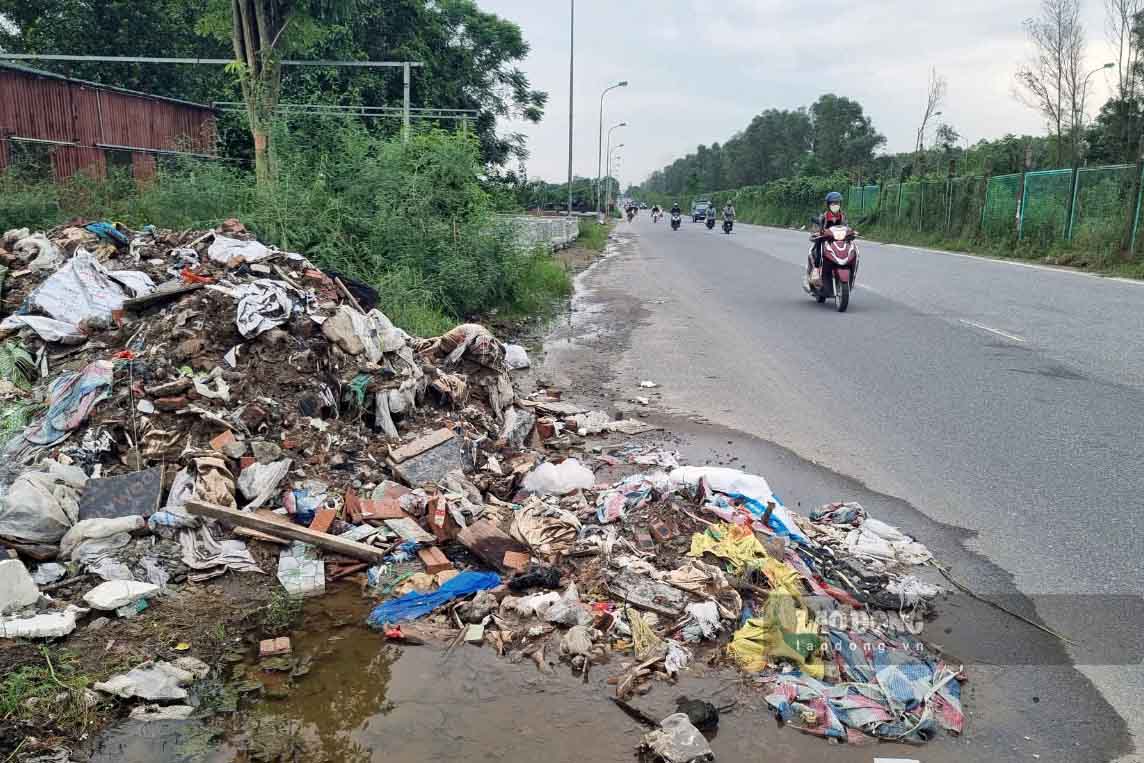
[[172, 397]]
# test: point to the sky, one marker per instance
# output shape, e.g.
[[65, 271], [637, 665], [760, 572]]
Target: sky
[[699, 71]]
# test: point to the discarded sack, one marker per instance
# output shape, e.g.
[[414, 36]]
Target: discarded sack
[[42, 504], [559, 479]]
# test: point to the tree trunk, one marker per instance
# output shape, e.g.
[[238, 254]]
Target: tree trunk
[[255, 32], [1127, 242]]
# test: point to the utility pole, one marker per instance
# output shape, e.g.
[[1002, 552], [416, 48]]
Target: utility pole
[[571, 82], [600, 142]]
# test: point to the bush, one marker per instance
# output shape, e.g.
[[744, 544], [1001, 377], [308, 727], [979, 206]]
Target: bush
[[411, 219]]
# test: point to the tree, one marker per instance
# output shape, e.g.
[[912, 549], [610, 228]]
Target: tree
[[1052, 80], [843, 136], [935, 96], [947, 137], [1121, 24]]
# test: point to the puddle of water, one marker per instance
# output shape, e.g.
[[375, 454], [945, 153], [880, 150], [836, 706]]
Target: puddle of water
[[365, 700]]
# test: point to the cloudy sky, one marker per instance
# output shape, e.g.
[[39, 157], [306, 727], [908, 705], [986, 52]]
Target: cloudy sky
[[700, 70]]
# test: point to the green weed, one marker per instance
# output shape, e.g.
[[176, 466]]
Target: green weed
[[281, 613], [47, 694], [593, 235]]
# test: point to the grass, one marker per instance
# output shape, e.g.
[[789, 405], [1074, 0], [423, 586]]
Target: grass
[[593, 235], [281, 613], [48, 694], [413, 220]]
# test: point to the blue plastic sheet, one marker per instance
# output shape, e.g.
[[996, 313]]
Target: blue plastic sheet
[[781, 521], [414, 605]]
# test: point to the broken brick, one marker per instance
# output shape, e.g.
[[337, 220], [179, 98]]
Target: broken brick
[[171, 403], [323, 518], [434, 560], [244, 462], [353, 507], [516, 560], [441, 522], [273, 647], [382, 508], [224, 439], [546, 428]]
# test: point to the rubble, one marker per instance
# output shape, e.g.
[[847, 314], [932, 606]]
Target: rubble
[[206, 395]]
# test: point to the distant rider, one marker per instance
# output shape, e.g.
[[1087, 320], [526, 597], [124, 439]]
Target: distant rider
[[656, 211], [675, 210], [831, 217], [729, 211]]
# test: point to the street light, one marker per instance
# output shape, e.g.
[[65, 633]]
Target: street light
[[613, 160], [600, 140], [609, 152], [571, 74]]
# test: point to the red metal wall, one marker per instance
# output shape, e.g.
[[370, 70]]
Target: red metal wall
[[47, 108]]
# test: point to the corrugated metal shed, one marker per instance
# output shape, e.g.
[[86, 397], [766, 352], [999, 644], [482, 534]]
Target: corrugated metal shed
[[81, 119]]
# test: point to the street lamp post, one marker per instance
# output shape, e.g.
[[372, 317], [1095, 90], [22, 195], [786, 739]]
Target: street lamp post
[[571, 77], [600, 140], [1077, 131], [609, 155], [608, 179]]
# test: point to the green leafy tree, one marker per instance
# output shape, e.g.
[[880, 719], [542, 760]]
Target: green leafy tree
[[844, 137]]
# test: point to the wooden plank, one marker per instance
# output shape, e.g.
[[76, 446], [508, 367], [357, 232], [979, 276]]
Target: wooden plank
[[246, 532], [160, 295], [291, 531], [409, 530], [421, 444], [487, 541]]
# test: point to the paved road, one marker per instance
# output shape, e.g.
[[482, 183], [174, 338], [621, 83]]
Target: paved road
[[995, 397]]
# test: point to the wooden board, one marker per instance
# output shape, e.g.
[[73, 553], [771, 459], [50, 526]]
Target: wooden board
[[487, 541], [291, 531], [409, 530], [420, 445]]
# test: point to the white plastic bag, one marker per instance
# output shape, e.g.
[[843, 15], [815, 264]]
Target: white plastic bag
[[42, 504], [559, 479], [516, 357]]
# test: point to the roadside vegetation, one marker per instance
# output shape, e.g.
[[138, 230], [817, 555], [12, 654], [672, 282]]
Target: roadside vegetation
[[593, 235], [413, 220]]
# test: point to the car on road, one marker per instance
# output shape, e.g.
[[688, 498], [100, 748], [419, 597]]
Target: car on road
[[699, 210]]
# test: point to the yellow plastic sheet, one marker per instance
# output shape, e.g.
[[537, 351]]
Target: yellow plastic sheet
[[735, 543], [784, 633]]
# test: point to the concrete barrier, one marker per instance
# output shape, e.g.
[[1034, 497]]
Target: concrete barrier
[[556, 232]]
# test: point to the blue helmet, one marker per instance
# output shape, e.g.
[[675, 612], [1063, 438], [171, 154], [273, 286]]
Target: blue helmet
[[834, 197]]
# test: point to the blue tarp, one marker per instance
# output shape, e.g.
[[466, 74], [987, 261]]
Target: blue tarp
[[413, 605]]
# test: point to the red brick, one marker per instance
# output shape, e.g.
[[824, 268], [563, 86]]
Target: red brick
[[516, 560], [244, 462], [323, 518], [382, 508], [546, 428], [353, 507], [171, 403], [434, 560], [441, 522], [224, 439]]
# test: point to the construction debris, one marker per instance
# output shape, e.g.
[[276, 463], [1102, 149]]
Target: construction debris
[[202, 391]]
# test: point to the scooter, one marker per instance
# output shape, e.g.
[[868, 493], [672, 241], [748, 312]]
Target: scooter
[[675, 220], [728, 223], [710, 222], [839, 266]]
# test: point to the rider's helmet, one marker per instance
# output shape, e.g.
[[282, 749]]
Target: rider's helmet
[[834, 197]]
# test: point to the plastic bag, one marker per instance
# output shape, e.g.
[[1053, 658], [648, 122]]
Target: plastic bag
[[223, 249], [559, 479], [678, 741], [262, 305], [258, 482], [83, 290], [42, 504], [90, 529], [568, 610], [516, 357], [414, 605]]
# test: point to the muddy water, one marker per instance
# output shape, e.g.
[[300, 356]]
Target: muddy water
[[367, 701]]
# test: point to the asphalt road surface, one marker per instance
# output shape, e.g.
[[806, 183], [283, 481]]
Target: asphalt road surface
[[1000, 400]]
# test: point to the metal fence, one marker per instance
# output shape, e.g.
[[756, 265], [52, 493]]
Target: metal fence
[[1042, 207]]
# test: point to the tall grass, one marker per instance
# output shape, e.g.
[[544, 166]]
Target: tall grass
[[593, 235], [411, 219]]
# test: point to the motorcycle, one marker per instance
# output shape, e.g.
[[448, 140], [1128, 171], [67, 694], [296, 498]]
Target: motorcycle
[[655, 216], [728, 223], [631, 215], [839, 266], [710, 222], [675, 220]]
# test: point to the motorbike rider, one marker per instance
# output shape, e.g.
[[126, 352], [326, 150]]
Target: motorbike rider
[[675, 209], [729, 211], [833, 215], [656, 211]]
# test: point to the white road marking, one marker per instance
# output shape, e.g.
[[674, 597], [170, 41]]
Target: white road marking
[[998, 332], [1030, 265]]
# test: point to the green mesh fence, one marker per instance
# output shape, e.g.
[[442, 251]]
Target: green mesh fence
[[1044, 218], [1103, 200], [999, 217], [967, 197]]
